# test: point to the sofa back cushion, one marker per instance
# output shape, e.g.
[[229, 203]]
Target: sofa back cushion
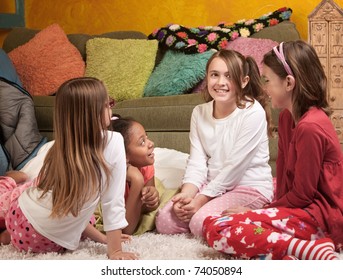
[[21, 35], [80, 40]]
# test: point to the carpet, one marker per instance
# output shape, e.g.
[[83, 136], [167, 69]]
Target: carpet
[[149, 246]]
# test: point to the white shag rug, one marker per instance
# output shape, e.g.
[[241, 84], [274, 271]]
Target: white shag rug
[[149, 246]]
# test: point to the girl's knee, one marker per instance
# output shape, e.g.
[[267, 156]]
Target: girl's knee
[[162, 218], [167, 223], [196, 224]]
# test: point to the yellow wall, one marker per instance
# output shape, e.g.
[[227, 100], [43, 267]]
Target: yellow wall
[[98, 16]]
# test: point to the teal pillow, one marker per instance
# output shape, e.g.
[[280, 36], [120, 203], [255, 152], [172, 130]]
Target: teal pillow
[[177, 73], [7, 69]]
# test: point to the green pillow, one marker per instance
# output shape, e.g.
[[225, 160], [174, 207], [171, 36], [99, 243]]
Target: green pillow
[[177, 73], [123, 65], [147, 222]]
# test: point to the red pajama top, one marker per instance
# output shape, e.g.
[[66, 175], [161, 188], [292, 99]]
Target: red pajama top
[[310, 170], [148, 172]]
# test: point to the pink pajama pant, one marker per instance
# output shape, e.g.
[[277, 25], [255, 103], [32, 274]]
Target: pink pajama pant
[[9, 191], [260, 234], [167, 222], [23, 236]]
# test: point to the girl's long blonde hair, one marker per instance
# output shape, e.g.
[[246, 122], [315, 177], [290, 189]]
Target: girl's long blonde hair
[[73, 167], [239, 67]]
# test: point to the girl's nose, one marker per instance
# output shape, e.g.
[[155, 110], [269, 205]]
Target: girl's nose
[[151, 144], [221, 80]]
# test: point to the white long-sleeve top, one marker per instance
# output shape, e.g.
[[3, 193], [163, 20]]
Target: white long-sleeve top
[[229, 152], [66, 231]]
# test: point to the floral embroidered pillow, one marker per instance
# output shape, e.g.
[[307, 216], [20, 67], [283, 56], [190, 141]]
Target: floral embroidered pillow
[[202, 39]]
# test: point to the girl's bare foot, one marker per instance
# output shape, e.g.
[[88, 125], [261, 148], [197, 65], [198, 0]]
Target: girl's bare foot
[[5, 238]]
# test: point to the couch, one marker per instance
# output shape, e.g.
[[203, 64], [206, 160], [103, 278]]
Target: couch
[[165, 118]]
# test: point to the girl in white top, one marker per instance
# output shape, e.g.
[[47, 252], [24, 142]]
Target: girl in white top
[[85, 165], [229, 154]]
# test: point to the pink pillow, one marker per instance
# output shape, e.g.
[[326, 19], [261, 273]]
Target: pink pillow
[[252, 47], [248, 47], [46, 61]]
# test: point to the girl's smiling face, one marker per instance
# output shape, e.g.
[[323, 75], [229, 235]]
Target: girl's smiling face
[[276, 89], [139, 151], [108, 112], [219, 83]]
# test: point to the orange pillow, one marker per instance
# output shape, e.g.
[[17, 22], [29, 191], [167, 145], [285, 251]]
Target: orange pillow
[[46, 61]]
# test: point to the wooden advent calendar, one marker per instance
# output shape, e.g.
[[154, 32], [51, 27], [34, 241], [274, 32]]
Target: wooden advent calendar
[[325, 25]]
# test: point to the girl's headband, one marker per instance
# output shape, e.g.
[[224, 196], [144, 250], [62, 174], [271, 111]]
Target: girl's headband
[[282, 58]]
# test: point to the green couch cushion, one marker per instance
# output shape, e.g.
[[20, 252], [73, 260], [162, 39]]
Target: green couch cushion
[[21, 35], [80, 40], [146, 109]]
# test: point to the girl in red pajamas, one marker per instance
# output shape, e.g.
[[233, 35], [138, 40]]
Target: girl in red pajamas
[[305, 220]]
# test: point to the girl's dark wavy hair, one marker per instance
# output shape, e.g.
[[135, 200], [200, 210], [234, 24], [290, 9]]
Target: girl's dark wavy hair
[[123, 126]]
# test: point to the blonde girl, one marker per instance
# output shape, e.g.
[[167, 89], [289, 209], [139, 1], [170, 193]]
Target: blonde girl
[[85, 165]]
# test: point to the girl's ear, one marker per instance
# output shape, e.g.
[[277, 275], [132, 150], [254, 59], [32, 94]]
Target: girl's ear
[[245, 81], [290, 82]]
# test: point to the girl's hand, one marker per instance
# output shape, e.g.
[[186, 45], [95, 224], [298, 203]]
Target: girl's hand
[[120, 255], [114, 249], [191, 206], [239, 209], [125, 237], [180, 200], [17, 176], [180, 197], [190, 209], [150, 198]]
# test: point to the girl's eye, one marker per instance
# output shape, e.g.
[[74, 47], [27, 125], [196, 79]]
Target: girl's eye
[[264, 80], [111, 102]]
